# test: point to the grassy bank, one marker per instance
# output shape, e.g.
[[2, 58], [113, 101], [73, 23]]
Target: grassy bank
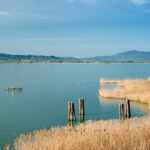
[[135, 90], [102, 135]]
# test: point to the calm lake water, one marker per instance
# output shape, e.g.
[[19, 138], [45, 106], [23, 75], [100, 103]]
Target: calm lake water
[[48, 87]]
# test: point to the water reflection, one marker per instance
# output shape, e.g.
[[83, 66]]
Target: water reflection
[[111, 94], [134, 105]]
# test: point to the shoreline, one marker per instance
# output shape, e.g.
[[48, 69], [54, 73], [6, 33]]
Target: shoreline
[[74, 63]]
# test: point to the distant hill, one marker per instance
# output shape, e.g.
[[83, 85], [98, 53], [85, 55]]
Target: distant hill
[[35, 58], [124, 57], [128, 56]]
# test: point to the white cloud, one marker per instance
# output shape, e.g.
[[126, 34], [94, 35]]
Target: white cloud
[[140, 2], [4, 13]]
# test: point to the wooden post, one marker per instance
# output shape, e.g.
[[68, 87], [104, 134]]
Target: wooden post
[[69, 110], [120, 111], [123, 111], [81, 110], [81, 106], [71, 113], [128, 109]]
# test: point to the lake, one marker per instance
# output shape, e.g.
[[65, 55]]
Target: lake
[[46, 89]]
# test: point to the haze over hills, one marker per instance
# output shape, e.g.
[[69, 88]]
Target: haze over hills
[[133, 55], [128, 56]]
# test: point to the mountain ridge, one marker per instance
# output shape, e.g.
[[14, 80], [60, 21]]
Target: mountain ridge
[[127, 56]]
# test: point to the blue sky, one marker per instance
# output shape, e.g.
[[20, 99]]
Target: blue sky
[[80, 28]]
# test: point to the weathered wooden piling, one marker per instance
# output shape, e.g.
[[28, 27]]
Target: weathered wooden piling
[[71, 112], [81, 110], [81, 106], [128, 109], [125, 110], [120, 111]]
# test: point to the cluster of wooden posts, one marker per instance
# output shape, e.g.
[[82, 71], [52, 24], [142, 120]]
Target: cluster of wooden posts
[[71, 111], [125, 110]]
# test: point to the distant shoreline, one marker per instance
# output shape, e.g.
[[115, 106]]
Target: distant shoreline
[[132, 56], [13, 62]]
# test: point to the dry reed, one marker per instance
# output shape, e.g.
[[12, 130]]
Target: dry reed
[[102, 135], [135, 90]]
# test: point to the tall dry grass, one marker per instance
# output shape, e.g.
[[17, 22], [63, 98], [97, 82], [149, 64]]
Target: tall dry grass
[[131, 134], [136, 90], [102, 135]]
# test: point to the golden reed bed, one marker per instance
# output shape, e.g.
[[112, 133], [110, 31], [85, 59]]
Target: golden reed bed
[[102, 135], [135, 90]]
